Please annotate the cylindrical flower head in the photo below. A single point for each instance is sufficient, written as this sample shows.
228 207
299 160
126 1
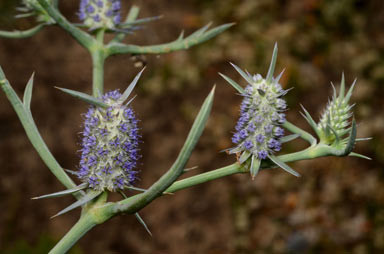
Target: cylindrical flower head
261 113
110 145
335 118
100 13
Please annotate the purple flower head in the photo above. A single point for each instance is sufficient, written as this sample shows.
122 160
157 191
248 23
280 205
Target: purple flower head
110 142
258 128
100 13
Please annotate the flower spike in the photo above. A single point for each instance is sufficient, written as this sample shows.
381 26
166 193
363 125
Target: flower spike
259 129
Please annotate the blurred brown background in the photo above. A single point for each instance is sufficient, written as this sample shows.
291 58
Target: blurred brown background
337 206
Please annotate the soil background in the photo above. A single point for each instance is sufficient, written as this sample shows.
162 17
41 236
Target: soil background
337 206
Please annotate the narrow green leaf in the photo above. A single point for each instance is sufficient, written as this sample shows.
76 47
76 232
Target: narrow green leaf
28 94
244 156
364 139
130 88
64 192
34 135
288 138
143 223
271 69
334 133
303 134
342 86
212 32
24 15
136 189
277 79
334 97
200 31
309 119
282 165
352 139
181 36
232 83
247 77
139 21
255 167
349 94
359 156
22 34
84 97
82 201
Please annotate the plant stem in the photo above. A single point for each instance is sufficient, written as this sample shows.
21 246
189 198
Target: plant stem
81 227
98 58
205 177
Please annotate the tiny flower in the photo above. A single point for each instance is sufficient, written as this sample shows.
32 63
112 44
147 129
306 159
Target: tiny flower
100 13
110 141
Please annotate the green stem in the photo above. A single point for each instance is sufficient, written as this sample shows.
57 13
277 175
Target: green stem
82 37
303 134
205 177
21 34
98 59
309 153
81 227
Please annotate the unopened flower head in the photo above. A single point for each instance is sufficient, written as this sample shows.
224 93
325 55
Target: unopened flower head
335 118
100 13
110 145
258 129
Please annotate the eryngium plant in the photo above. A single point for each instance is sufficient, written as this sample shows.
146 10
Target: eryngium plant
110 136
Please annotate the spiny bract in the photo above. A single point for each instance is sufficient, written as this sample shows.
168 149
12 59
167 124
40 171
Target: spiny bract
110 145
100 13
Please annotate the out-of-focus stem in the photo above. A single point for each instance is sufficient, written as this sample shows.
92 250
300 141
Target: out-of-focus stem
98 59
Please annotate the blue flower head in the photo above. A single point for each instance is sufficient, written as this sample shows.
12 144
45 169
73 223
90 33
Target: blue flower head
110 141
100 13
259 127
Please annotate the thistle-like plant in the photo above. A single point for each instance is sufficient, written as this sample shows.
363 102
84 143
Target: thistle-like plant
110 136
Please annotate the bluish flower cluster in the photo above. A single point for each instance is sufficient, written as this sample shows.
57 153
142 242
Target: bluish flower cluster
109 151
261 113
100 13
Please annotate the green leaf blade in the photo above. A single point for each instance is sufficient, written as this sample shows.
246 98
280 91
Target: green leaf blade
28 93
84 97
232 83
282 165
272 65
82 201
131 86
